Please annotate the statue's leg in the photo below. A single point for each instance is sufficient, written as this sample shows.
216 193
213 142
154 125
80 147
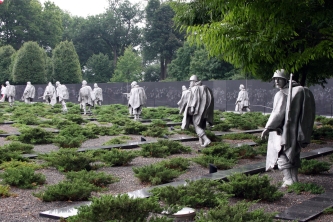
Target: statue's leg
138 112
285 166
203 139
64 107
130 110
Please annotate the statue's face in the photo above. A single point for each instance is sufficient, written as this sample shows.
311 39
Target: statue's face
280 82
192 83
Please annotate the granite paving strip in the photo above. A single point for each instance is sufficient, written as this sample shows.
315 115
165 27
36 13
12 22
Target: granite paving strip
219 175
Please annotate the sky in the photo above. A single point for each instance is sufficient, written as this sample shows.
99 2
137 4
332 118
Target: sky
81 7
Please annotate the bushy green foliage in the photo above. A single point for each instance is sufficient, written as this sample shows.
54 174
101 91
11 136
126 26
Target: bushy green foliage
156 129
35 136
22 177
118 157
99 179
75 190
298 188
117 208
195 194
154 113
8 155
70 160
239 136
120 121
221 163
75 118
19 147
16 163
134 127
239 212
103 130
222 126
322 133
69 142
158 173
328 210
163 148
313 166
177 163
4 191
246 121
116 140
245 151
75 109
28 119
253 187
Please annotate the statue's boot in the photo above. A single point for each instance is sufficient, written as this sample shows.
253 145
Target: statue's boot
294 174
287 178
205 141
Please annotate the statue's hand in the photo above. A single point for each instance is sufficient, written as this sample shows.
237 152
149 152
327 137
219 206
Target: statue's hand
264 134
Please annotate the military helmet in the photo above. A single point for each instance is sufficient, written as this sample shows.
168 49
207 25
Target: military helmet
194 78
280 73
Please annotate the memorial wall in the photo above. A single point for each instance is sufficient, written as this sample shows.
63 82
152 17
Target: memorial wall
225 93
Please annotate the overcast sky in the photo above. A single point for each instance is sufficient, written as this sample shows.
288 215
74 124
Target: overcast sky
87 7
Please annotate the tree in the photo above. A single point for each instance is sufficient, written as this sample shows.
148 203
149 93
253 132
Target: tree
152 73
5 60
99 68
128 68
29 64
161 40
66 65
262 36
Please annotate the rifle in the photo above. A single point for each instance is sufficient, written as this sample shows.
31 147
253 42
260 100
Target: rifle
288 114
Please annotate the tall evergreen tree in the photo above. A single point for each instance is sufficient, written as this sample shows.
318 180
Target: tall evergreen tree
5 60
66 65
99 68
29 64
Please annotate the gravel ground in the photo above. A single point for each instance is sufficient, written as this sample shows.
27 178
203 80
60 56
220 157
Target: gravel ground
23 206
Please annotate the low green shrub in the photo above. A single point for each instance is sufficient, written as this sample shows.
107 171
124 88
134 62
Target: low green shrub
261 149
120 121
163 148
328 210
155 131
74 110
176 118
245 151
35 136
8 155
70 160
75 118
134 127
157 173
19 147
195 194
322 133
298 188
118 157
243 186
116 140
117 208
28 119
68 141
220 150
22 177
222 126
313 166
16 163
75 190
99 179
239 136
221 163
239 212
213 137
4 191
177 163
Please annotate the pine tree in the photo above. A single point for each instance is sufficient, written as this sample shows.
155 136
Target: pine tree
5 60
29 64
66 65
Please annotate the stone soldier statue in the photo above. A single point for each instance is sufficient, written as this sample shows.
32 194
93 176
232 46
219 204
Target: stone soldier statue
29 93
48 93
242 101
86 97
9 94
98 93
61 95
289 126
199 109
137 99
183 99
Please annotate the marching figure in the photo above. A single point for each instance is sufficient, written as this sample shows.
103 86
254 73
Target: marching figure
98 95
289 126
29 93
9 94
61 94
137 99
199 109
242 101
48 93
85 97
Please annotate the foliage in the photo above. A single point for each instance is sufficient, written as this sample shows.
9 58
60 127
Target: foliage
17 163
99 179
328 210
322 133
128 67
4 191
118 157
35 135
239 212
5 60
75 190
158 173
99 68
253 187
152 73
19 147
238 136
221 163
29 64
245 151
66 65
243 122
223 126
75 118
28 119
163 148
313 166
134 127
156 129
260 36
298 188
22 177
117 208
70 160
220 150
8 155
195 194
